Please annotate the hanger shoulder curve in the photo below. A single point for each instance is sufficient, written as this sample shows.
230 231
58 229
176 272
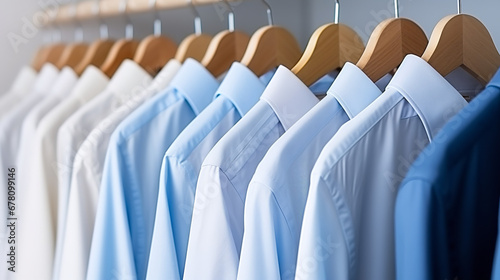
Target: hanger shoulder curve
193 46
121 50
269 47
72 55
462 40
389 44
95 55
225 48
154 52
329 48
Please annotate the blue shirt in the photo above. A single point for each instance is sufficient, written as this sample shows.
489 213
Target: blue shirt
239 91
447 207
217 223
277 194
129 187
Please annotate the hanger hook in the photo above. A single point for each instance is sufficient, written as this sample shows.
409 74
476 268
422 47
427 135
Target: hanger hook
197 18
129 28
230 16
269 13
459 6
79 28
157 22
396 8
337 12
103 27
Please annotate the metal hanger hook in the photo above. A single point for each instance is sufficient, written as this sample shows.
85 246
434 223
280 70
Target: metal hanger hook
79 27
269 13
459 6
337 12
396 8
230 16
157 22
197 18
103 27
129 28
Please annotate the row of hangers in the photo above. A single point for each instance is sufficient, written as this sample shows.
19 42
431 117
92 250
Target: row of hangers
458 40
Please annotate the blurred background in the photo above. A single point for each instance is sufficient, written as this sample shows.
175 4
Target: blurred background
20 38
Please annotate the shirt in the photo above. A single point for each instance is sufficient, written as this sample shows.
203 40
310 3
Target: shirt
86 180
239 91
496 263
217 214
277 194
91 83
19 89
129 188
348 225
447 206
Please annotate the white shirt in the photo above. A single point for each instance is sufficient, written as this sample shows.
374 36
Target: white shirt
19 88
10 133
41 220
277 194
91 83
86 180
217 219
348 225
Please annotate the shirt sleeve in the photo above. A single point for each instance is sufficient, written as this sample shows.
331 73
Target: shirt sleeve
172 222
216 228
322 249
82 205
412 216
264 251
111 253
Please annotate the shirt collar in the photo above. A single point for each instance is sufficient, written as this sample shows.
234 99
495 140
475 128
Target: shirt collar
353 90
24 80
64 82
92 80
242 87
167 73
432 97
129 79
495 81
193 81
46 77
289 97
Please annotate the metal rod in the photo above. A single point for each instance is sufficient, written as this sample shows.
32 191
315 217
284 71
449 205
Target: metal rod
157 22
103 27
78 28
459 6
270 20
197 18
129 28
230 16
396 8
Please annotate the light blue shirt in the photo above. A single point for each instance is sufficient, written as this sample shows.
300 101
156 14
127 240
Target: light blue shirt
217 222
348 225
277 194
129 187
239 91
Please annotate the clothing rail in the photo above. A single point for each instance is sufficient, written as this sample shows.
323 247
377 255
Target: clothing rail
109 8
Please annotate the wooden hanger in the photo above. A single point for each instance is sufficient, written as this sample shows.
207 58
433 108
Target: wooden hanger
225 48
95 55
389 44
72 55
271 46
195 45
155 50
462 40
47 54
329 48
121 50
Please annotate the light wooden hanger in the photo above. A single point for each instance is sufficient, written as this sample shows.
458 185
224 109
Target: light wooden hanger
225 48
271 46
99 50
73 53
195 45
156 50
122 49
462 40
389 44
329 48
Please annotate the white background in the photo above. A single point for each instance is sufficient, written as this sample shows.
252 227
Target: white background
301 17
